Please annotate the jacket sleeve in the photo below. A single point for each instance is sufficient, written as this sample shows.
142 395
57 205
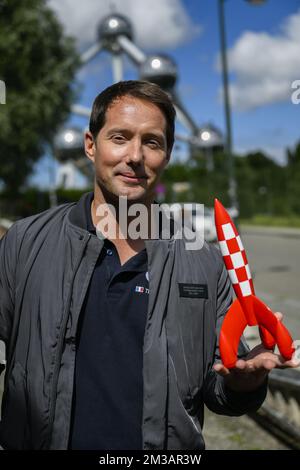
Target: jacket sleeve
7 281
217 397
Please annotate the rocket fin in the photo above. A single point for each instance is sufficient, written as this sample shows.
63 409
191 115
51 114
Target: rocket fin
276 328
232 329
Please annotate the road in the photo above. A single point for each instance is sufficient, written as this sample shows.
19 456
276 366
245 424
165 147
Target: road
274 259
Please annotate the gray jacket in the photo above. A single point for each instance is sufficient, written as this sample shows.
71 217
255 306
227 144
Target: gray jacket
46 264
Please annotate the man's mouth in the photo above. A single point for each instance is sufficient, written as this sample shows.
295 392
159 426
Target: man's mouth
132 177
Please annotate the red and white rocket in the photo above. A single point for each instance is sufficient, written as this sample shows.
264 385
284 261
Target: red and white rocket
247 309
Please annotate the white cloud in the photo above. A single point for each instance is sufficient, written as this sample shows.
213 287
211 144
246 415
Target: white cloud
265 65
158 24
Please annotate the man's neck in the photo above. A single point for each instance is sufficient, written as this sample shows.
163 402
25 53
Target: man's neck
115 210
104 211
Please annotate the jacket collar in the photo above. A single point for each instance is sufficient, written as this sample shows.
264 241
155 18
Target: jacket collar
78 213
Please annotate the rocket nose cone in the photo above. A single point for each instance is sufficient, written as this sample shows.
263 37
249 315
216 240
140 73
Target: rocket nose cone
218 206
217 203
221 215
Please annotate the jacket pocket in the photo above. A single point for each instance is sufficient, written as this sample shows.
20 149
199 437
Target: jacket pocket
14 412
192 339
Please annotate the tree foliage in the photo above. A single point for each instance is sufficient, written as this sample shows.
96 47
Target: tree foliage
293 180
263 186
37 64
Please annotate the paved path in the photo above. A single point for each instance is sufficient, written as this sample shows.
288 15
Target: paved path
228 433
274 258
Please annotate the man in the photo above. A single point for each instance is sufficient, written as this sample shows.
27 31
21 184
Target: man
111 340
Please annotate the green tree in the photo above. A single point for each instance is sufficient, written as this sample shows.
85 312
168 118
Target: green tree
263 186
293 179
268 184
175 172
245 178
37 64
209 176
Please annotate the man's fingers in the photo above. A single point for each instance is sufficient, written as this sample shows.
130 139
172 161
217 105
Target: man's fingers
241 364
269 364
263 362
221 369
278 315
269 361
291 363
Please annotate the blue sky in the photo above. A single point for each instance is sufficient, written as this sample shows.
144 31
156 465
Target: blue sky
263 50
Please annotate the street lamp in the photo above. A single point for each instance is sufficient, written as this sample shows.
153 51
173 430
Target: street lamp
228 147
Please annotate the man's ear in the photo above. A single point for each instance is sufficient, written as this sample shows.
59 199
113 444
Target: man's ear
89 146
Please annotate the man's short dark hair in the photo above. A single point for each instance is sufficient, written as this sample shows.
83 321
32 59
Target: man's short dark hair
137 89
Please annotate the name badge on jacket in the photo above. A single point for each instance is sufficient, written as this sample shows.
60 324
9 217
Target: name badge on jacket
193 291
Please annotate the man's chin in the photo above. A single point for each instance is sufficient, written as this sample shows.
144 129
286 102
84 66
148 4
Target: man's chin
132 198
133 194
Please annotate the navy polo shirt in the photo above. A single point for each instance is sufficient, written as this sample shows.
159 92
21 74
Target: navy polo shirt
108 389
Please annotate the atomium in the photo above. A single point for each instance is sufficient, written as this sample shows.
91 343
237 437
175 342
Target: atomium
68 144
159 69
115 34
111 27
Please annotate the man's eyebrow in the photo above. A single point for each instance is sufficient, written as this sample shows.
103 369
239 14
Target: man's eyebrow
124 130
156 135
117 129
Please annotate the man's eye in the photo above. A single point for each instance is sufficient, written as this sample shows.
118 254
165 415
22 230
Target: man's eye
118 138
153 143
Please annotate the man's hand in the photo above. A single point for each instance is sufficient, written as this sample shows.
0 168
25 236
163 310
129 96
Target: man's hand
249 373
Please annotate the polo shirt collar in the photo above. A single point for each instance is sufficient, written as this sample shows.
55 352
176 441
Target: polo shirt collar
80 215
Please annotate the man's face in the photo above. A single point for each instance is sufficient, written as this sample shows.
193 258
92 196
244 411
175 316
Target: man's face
130 151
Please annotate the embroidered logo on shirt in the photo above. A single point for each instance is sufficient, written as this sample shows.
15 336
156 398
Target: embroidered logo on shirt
141 290
194 291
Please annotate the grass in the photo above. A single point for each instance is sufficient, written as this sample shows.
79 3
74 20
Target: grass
238 439
273 221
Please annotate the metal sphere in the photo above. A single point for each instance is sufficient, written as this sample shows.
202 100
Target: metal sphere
68 144
210 136
111 27
159 69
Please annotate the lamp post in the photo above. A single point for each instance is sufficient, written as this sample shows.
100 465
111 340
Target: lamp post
232 190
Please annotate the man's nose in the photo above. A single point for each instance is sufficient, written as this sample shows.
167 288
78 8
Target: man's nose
135 152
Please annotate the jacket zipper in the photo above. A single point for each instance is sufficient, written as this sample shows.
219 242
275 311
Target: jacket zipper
60 346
